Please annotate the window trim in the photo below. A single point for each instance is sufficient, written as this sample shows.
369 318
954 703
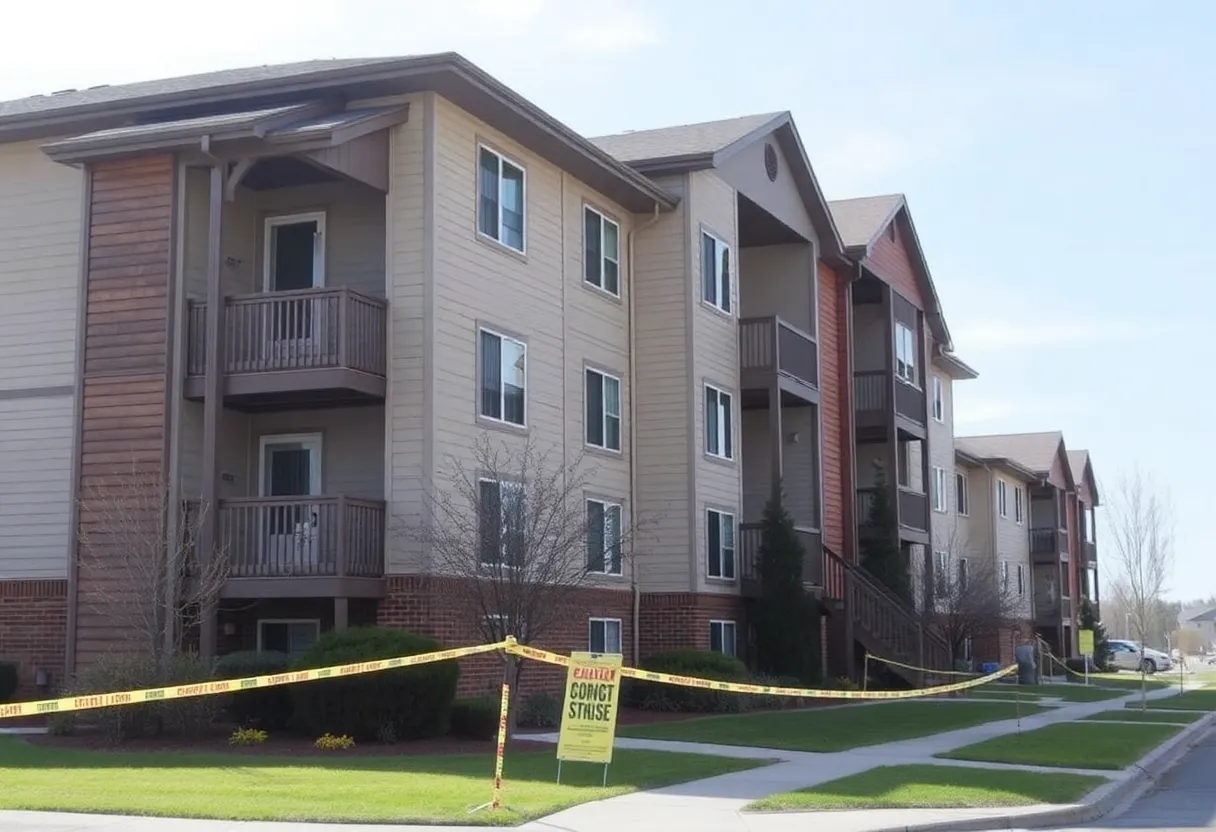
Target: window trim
941 569
1004 577
604 219
502 157
1019 504
962 497
734 550
723 623
502 336
319 255
502 562
716 304
939 400
607 504
964 574
620 635
1021 580
261 621
940 503
1002 498
620 419
724 427
913 364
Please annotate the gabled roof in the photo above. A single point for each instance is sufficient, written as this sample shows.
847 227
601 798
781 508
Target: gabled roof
447 73
976 455
863 220
1206 615
1036 452
704 146
1082 468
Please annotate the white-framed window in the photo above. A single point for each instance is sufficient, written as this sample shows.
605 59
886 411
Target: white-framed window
939 400
1004 577
603 537
287 635
962 575
905 353
722 637
720 544
501 523
1021 580
602 393
1002 498
715 271
601 251
1019 504
939 489
604 635
719 429
941 569
503 387
293 257
961 499
501 197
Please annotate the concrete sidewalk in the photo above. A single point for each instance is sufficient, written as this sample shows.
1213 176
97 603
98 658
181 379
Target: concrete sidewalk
711 804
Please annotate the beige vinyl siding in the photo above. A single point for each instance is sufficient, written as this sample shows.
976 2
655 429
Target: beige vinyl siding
667 403
799 482
40 213
1013 538
715 354
233 442
352 447
779 280
35 486
945 526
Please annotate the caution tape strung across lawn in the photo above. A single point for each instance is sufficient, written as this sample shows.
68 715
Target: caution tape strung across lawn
928 671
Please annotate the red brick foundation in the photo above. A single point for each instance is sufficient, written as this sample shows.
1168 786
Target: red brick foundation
682 620
1000 646
33 630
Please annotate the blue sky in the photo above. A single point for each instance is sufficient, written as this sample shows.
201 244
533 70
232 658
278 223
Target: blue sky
1057 159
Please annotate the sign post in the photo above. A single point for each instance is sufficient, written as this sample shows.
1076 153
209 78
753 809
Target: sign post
1085 644
588 730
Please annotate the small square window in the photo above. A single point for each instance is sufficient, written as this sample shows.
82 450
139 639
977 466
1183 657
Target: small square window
604 635
722 637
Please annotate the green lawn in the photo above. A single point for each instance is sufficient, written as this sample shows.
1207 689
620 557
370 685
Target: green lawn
833 729
1070 745
1126 715
1131 681
930 786
1070 692
439 788
1009 692
1203 699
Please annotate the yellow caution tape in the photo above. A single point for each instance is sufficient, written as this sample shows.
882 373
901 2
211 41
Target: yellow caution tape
90 701
926 670
539 655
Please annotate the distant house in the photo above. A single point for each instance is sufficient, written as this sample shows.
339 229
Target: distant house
1204 622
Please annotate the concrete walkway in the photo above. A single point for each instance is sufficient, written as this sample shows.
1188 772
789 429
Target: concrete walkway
711 804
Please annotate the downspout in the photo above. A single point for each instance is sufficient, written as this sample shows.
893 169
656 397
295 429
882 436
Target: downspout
633 434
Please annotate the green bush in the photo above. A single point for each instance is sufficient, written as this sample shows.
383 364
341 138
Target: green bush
475 719
704 664
267 708
540 710
766 701
186 718
8 680
404 703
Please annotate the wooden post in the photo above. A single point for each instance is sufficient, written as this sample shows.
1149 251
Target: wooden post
341 613
343 565
213 403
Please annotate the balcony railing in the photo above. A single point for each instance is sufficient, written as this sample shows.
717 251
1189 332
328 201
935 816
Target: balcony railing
276 537
1051 609
1090 550
913 507
872 402
749 554
307 329
772 345
1048 542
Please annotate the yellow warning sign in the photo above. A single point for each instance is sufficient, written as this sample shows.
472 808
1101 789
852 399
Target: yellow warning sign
593 688
1085 642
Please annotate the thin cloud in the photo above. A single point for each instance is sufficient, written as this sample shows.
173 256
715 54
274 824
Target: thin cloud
989 335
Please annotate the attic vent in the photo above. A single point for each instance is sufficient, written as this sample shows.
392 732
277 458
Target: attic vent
61 92
770 162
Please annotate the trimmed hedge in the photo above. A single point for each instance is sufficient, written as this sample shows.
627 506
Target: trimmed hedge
266 708
405 703
8 680
705 664
475 719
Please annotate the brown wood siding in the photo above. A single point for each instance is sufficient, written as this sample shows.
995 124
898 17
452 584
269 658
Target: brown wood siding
891 261
124 432
831 392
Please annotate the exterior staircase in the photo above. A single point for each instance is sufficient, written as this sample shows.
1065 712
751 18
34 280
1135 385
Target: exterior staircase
864 612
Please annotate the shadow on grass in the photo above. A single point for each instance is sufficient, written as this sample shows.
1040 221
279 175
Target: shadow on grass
1079 745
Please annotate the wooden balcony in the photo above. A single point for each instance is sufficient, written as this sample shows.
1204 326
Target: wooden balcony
1048 545
302 547
1049 611
312 347
912 509
878 400
749 557
774 352
1089 551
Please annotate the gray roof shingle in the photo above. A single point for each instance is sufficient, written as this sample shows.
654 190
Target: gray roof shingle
682 140
859 220
1035 451
1206 615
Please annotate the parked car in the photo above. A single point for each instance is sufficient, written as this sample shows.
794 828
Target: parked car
1128 655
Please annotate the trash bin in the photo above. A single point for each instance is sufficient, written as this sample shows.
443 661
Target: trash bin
1027 666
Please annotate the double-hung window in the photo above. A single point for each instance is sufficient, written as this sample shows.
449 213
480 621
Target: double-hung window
503 366
601 252
722 637
905 353
939 400
939 489
1021 580
719 439
1019 503
715 271
603 537
720 542
1002 498
501 523
603 399
1004 577
941 571
500 199
961 500
962 576
604 635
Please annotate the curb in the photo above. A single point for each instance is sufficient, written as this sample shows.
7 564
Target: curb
1104 800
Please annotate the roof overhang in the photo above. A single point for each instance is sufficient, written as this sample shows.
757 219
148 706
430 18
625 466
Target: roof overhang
954 366
448 74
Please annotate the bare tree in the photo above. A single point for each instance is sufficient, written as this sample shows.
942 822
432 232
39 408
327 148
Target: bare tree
514 530
1141 522
138 551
